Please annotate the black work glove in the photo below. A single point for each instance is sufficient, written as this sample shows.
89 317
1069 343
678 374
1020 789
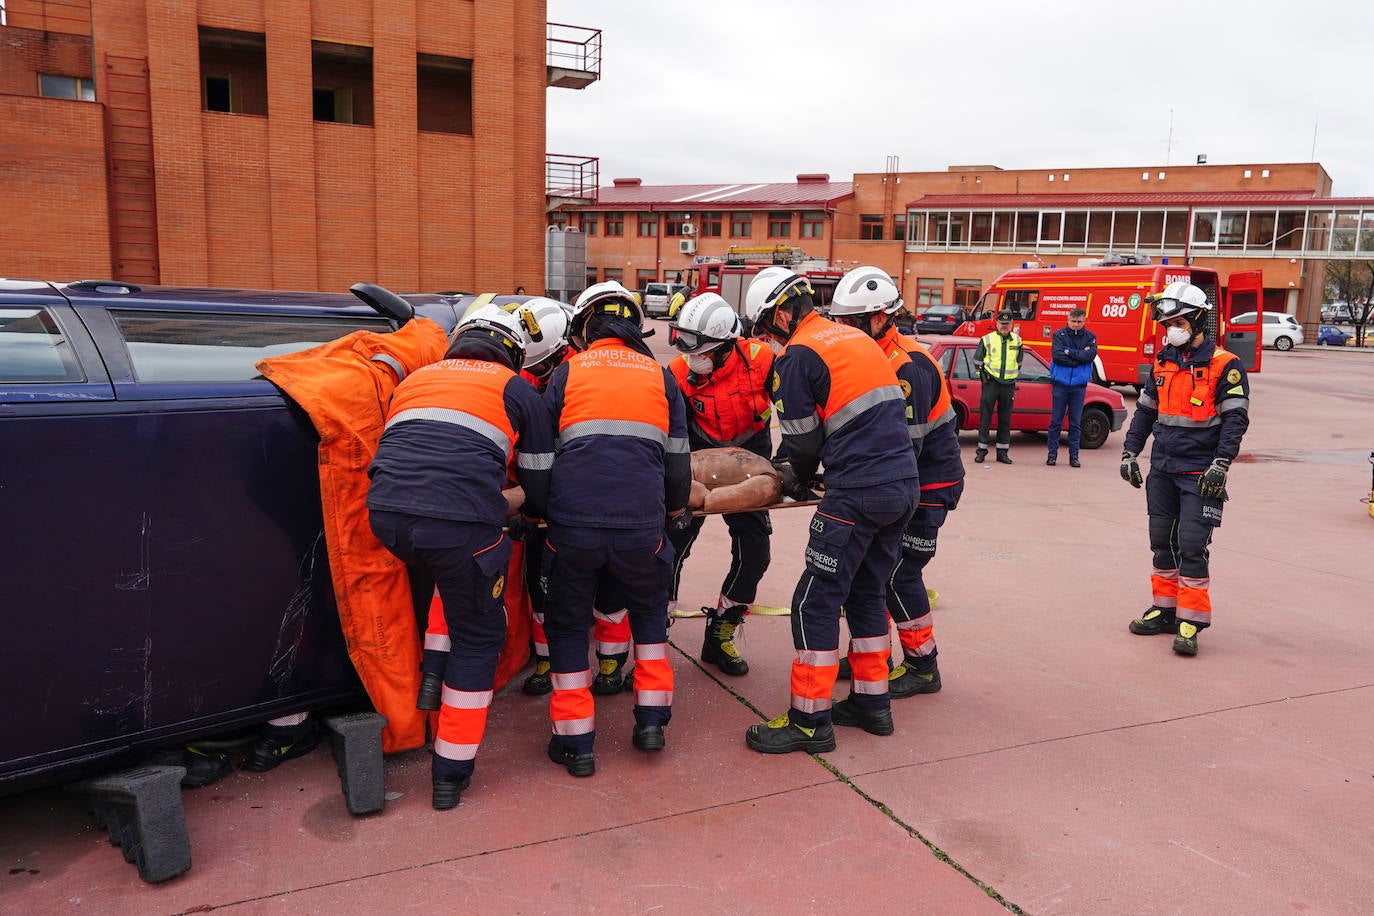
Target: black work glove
519 527
1212 484
1130 469
680 520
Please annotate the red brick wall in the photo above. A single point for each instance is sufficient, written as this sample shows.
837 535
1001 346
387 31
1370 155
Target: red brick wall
284 202
54 225
25 53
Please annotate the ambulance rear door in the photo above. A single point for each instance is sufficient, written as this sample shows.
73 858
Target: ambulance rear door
1244 293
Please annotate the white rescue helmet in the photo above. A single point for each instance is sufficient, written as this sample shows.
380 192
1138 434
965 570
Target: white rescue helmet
551 317
770 287
510 331
705 322
865 291
605 298
1180 300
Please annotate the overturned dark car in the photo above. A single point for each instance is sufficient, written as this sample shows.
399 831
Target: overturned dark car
165 570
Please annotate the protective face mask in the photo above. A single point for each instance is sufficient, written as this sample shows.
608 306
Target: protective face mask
1178 337
700 363
776 346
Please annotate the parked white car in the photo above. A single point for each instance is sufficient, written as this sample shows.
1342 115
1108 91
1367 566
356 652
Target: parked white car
1281 331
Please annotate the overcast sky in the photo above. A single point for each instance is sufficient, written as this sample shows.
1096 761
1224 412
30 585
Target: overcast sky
701 91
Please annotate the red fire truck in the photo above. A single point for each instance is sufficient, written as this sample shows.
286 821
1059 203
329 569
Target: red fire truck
1113 295
729 276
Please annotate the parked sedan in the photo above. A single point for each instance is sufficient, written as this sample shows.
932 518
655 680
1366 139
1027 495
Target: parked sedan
166 577
939 319
1280 331
1104 412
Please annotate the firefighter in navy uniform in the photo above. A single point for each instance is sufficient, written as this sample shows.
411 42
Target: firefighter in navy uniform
621 468
1197 407
724 381
435 501
839 404
867 298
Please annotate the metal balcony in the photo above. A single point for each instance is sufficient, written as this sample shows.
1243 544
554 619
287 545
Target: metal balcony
570 180
574 56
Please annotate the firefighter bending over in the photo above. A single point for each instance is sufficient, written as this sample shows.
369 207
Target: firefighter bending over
435 501
838 403
724 380
1196 404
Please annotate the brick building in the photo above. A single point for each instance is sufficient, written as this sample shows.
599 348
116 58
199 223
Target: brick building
946 235
275 143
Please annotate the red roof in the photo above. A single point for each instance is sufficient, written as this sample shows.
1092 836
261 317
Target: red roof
1148 199
789 195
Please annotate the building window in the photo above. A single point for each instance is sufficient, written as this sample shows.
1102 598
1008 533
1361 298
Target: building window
615 224
871 227
233 71
899 227
812 224
648 224
741 225
673 226
966 293
559 219
342 82
66 87
644 277
614 275
443 94
710 225
591 276
589 223
780 225
930 291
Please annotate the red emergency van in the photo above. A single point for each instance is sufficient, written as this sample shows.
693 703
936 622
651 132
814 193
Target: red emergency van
729 277
1113 295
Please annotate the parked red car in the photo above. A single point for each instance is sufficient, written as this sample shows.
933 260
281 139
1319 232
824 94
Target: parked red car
1103 410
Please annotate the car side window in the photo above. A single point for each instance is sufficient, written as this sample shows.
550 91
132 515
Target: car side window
963 364
202 347
34 349
1032 368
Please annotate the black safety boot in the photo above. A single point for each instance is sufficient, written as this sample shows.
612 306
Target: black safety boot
980 456
648 737
780 736
577 764
906 681
1003 457
1185 643
719 646
277 744
448 790
540 681
1155 621
878 722
610 677
203 765
431 692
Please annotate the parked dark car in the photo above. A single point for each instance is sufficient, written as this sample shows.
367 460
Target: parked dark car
939 319
165 571
1104 412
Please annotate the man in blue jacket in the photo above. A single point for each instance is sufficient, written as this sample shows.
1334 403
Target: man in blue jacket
1073 349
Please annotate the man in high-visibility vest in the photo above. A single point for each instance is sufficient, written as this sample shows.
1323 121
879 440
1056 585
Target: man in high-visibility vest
998 361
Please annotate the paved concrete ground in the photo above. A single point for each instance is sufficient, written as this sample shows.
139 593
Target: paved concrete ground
1067 766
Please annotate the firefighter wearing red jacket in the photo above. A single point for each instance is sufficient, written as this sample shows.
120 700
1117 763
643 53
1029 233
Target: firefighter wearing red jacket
867 299
1196 404
621 468
839 404
435 502
724 381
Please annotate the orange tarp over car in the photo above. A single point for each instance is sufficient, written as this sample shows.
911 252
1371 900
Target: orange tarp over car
345 386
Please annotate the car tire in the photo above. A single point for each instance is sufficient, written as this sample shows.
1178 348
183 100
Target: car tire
1283 344
1095 427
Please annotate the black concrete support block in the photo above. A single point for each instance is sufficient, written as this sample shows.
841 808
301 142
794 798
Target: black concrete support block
357 741
141 809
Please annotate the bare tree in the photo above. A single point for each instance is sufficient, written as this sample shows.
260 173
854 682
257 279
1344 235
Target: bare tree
1353 282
